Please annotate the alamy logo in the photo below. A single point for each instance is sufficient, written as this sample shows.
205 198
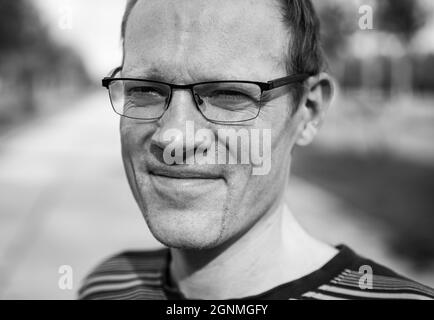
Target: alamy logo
242 146
366 20
65 18
366 280
66 279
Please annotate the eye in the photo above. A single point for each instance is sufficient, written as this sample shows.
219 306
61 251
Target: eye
233 96
228 95
229 99
145 91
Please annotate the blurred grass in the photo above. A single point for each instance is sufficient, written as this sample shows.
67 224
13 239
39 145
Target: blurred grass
377 154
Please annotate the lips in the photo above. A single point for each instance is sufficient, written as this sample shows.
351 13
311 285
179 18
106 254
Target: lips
184 179
184 171
185 189
183 174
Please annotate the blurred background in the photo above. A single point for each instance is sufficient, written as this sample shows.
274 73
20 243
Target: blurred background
64 200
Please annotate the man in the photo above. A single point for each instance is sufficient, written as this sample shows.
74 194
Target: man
206 67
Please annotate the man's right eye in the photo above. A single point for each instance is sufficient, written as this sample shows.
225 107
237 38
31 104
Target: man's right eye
145 90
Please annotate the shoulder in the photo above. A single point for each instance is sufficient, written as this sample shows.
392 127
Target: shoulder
127 275
366 279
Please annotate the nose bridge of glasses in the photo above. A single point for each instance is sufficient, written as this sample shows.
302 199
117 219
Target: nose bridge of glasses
179 97
186 87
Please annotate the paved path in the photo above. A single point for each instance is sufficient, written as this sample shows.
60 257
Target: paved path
64 200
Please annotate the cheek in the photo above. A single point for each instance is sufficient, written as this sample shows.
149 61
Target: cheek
126 130
282 126
284 123
134 134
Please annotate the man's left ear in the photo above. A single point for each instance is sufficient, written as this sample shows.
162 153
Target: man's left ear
317 99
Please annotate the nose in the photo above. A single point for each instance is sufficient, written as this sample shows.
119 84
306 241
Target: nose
176 130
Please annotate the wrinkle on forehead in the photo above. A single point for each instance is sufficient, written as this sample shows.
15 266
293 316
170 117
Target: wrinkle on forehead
195 35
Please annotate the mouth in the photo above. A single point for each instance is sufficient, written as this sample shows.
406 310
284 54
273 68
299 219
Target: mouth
184 180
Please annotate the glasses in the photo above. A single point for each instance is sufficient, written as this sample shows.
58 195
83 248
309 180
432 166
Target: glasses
217 101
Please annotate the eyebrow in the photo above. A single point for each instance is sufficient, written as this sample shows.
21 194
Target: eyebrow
150 73
155 74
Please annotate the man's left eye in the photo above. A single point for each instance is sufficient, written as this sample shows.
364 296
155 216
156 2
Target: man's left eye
229 95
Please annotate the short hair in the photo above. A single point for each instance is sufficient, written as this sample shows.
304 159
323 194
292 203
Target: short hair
305 54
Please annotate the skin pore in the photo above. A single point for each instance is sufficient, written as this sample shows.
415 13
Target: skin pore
225 226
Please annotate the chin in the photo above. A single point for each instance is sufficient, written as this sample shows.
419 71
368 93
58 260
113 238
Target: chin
187 229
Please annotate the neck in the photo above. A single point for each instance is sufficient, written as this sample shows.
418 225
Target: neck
274 251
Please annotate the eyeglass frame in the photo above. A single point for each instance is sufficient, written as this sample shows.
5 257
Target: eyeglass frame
264 86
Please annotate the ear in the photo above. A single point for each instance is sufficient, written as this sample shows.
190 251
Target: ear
314 105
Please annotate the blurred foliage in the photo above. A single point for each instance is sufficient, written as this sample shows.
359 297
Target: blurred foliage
31 62
17 16
339 20
22 33
421 80
337 25
403 18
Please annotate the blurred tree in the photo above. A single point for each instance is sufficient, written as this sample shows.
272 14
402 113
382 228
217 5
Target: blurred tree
20 32
29 57
337 25
20 26
403 18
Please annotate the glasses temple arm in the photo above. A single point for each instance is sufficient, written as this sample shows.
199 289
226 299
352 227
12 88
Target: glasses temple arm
287 80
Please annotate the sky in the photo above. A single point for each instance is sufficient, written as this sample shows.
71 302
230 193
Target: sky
92 27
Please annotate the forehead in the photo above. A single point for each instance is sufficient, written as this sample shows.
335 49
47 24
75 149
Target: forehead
195 39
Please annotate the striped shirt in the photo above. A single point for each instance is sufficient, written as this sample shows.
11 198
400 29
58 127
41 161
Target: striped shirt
144 275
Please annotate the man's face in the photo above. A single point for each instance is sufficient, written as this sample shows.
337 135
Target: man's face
202 206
